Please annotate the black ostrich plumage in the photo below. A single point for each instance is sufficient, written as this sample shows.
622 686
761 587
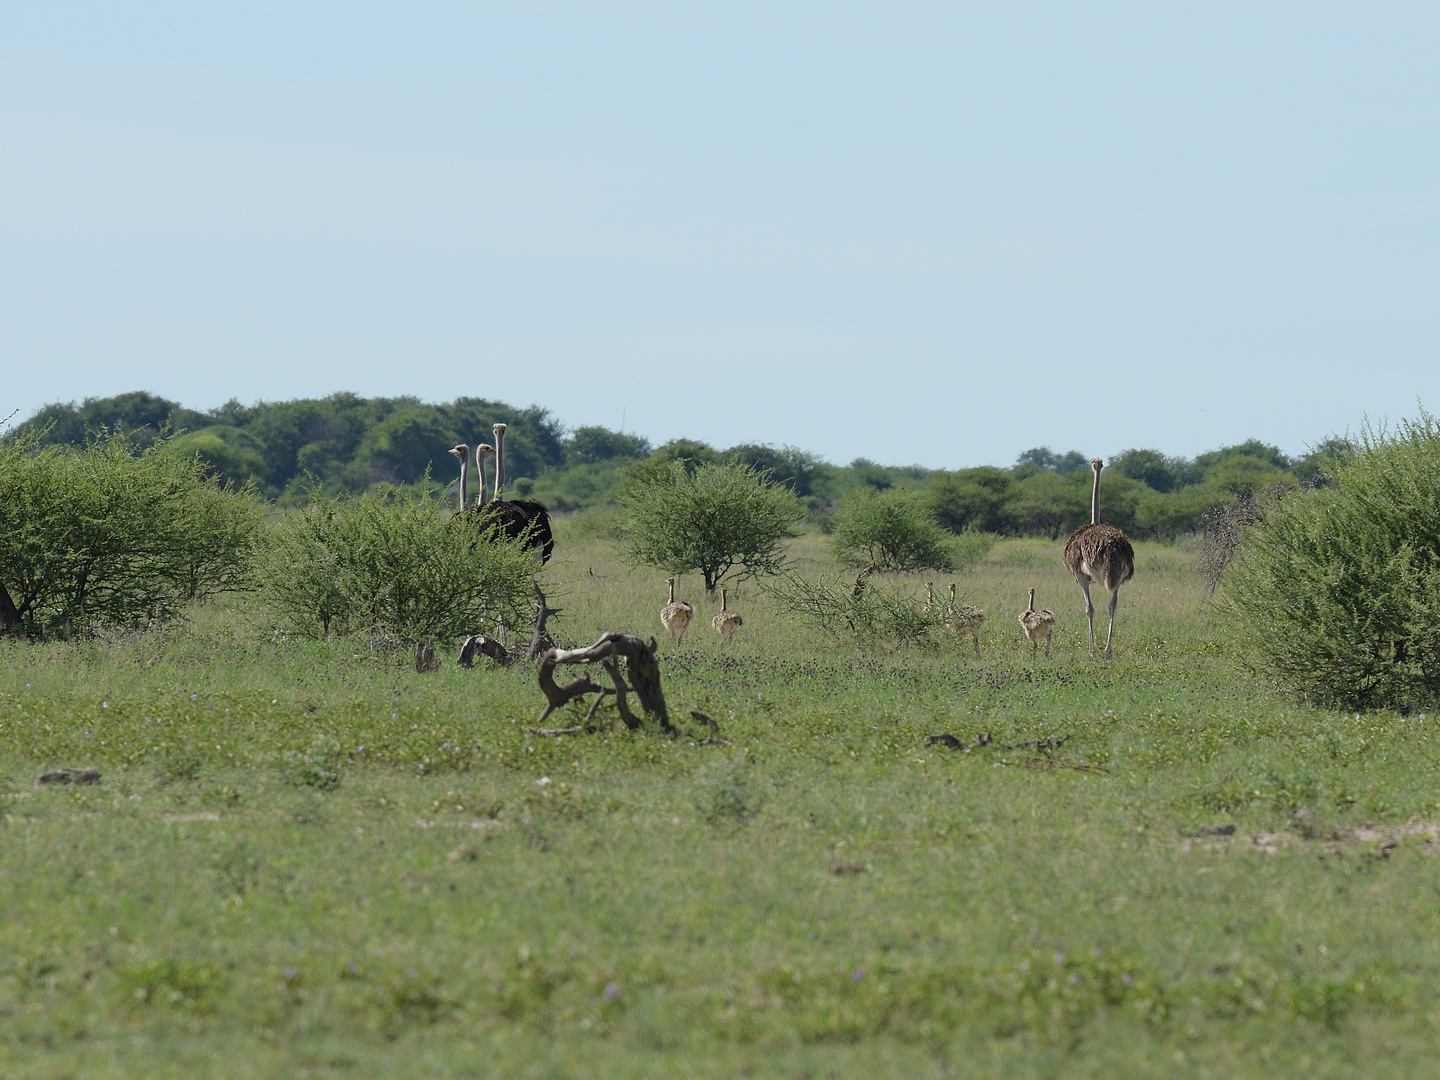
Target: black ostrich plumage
513 518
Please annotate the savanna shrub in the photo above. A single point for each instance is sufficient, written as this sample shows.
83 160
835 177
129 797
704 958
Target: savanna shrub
1337 589
878 614
891 531
101 535
716 519
393 561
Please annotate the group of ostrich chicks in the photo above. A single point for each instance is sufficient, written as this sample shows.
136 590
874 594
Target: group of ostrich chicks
1095 554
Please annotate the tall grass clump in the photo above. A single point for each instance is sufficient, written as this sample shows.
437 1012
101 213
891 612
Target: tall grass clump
1337 589
394 562
103 536
890 530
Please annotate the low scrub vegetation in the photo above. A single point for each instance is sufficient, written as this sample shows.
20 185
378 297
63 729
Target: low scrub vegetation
102 536
1337 589
393 562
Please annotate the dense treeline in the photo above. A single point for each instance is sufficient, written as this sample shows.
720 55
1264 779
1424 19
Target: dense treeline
349 444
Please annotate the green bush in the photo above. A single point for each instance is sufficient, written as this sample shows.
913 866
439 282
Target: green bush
890 530
878 614
394 562
1337 590
716 519
103 536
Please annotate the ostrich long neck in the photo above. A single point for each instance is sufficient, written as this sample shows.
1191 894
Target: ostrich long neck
1095 499
499 430
483 496
460 503
1031 606
672 592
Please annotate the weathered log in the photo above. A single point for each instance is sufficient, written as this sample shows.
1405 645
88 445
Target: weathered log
425 658
483 646
640 665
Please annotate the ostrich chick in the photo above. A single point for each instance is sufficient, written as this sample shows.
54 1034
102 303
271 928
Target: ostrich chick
727 622
676 615
1037 625
963 619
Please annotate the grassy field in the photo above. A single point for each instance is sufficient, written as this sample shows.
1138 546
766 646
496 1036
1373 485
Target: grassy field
308 860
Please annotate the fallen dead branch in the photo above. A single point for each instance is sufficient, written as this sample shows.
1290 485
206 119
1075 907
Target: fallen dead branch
69 776
640 665
946 739
1051 763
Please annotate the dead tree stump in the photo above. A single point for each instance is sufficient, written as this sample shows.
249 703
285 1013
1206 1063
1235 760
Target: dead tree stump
425 659
640 666
540 638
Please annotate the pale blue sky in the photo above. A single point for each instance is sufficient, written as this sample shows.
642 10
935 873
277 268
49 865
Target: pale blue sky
977 227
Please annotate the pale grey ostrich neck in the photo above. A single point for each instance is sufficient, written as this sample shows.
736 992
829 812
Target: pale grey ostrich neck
1097 465
462 452
499 430
482 452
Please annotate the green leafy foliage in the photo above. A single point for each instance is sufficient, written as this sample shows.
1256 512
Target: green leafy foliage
393 562
890 530
875 613
717 519
1337 589
102 536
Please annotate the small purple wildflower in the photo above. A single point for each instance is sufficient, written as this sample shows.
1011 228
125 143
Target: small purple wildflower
352 968
1059 958
858 975
1024 965
194 696
411 973
1075 979
104 704
1097 951
612 991
289 973
1126 978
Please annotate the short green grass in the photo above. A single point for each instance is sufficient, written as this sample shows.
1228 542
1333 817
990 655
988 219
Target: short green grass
305 859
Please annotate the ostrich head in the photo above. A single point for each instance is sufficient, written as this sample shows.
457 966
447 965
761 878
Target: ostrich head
1097 464
462 452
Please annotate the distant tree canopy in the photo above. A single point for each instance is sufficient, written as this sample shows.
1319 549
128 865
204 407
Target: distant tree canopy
346 442
349 444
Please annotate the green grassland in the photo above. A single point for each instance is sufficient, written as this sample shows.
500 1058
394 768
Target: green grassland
306 859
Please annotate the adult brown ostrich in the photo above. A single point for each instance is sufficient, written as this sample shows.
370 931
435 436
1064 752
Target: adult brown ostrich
1101 554
519 517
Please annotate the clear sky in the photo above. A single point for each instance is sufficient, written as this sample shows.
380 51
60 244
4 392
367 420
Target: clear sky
934 233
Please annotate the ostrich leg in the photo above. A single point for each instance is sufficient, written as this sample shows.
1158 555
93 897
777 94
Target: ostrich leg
1089 613
1114 601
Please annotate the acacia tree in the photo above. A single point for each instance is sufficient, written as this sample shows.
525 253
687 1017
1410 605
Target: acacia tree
717 519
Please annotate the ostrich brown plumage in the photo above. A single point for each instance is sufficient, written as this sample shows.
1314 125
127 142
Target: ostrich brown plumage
963 619
676 615
1037 625
727 622
1102 555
